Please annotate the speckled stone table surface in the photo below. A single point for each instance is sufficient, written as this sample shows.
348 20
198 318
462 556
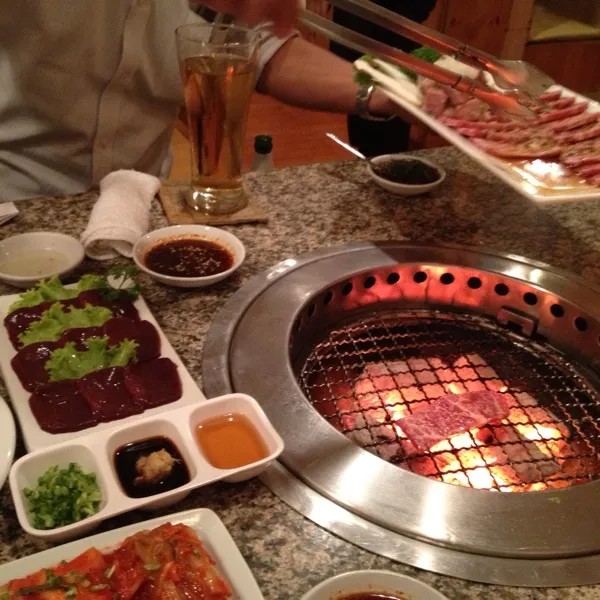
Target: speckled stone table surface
312 207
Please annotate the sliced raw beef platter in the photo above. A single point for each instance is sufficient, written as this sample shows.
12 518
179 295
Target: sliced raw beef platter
565 131
85 356
552 155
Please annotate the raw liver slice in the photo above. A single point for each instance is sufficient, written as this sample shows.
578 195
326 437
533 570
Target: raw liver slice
123 307
143 332
29 364
154 382
452 414
106 395
19 321
59 407
79 335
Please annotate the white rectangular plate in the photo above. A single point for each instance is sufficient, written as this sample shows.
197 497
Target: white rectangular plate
209 528
502 168
35 437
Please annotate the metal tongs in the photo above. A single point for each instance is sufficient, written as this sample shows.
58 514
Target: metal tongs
516 84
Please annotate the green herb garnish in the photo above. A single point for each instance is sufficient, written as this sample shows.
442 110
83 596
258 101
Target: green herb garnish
70 363
62 497
152 566
55 320
427 54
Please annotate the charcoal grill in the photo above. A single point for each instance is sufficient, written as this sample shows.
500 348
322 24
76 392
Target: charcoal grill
340 344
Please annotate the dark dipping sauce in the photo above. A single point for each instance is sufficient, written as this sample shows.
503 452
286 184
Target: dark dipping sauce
409 172
370 596
188 257
127 456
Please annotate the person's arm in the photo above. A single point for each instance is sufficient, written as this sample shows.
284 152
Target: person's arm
305 75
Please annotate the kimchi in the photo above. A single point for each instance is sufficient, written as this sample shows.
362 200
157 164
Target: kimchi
166 563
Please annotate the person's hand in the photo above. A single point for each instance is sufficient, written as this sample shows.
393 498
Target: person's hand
381 106
282 13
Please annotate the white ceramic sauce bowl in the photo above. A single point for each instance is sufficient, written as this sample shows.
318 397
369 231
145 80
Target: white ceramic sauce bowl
95 453
384 582
212 234
404 189
57 253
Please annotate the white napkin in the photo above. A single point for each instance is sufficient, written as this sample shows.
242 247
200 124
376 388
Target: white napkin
7 211
121 215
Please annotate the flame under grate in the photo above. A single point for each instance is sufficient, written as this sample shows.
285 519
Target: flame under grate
366 375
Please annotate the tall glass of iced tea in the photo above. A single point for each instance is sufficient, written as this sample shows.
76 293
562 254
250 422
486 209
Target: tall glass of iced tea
218 66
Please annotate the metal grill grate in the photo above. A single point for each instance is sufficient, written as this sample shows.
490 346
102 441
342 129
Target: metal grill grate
368 373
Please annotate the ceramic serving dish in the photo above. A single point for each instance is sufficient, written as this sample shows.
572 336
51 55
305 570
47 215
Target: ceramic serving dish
404 189
34 436
212 234
208 527
385 583
29 257
95 453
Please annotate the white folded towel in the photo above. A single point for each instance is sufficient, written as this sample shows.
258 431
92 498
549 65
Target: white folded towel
121 214
7 211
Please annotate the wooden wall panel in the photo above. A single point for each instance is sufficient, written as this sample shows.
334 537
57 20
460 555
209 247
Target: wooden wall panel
480 23
573 64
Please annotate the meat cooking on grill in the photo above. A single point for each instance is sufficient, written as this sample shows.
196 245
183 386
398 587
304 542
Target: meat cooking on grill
452 414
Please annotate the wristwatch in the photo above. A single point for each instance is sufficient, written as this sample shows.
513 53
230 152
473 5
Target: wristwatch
363 97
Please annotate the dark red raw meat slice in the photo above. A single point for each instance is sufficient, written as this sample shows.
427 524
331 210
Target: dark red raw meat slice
19 321
59 407
487 125
455 413
582 134
106 395
154 382
78 335
586 153
548 97
595 181
589 170
143 332
562 102
531 148
122 307
573 122
563 113
29 364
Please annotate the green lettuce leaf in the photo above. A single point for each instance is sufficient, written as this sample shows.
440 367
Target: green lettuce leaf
47 290
54 321
70 363
51 290
427 54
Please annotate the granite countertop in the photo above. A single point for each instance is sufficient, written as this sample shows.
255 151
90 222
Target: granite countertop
311 207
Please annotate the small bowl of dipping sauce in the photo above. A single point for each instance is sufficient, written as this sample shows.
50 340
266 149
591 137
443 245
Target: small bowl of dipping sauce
29 257
405 174
373 585
191 256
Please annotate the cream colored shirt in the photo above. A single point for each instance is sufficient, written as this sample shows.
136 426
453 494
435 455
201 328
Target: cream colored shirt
87 87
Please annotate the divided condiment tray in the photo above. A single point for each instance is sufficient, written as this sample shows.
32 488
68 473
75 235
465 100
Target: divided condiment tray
96 452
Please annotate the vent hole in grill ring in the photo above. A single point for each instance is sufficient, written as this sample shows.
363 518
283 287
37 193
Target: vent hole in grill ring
420 277
501 289
369 282
347 289
328 298
447 278
580 324
393 278
474 283
556 310
311 310
530 298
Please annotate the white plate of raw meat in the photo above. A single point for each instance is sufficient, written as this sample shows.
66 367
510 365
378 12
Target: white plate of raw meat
36 437
560 168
